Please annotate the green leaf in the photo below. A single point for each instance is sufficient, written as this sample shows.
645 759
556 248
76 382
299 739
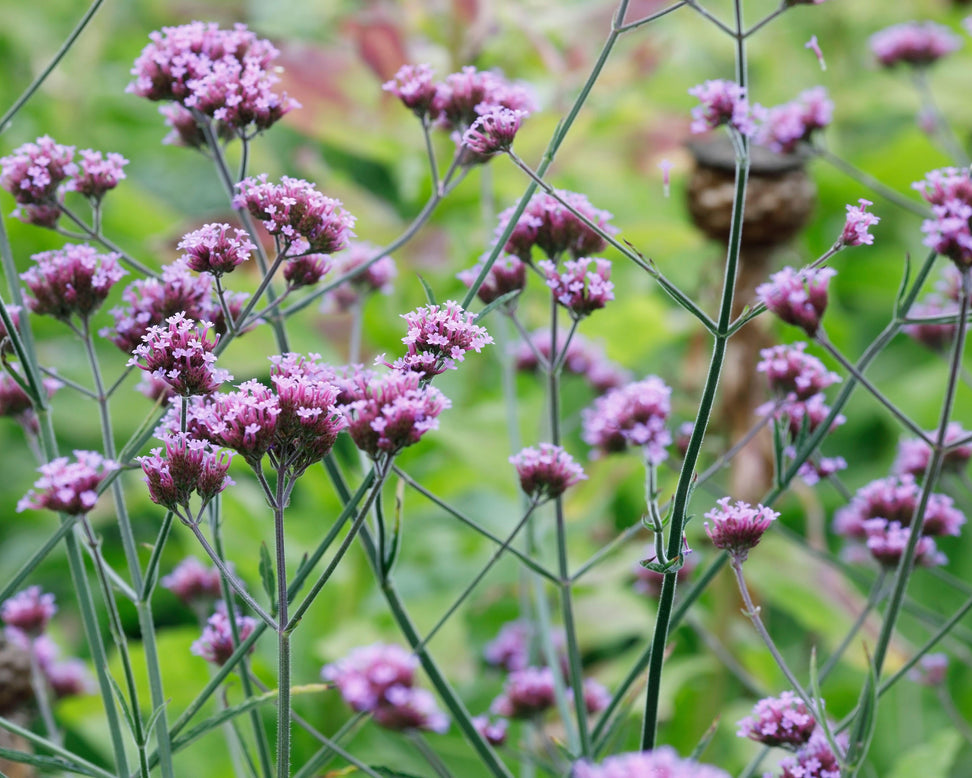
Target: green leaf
499 301
704 741
267 577
429 294
864 723
48 762
123 704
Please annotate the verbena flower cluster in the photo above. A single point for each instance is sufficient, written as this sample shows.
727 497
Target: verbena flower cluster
216 249
72 281
914 454
721 102
737 528
192 582
949 192
546 472
547 224
661 762
583 358
438 337
779 721
216 644
363 279
635 415
182 355
913 43
798 297
783 127
189 466
66 486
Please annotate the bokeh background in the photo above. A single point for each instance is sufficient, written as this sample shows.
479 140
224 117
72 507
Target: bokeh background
359 145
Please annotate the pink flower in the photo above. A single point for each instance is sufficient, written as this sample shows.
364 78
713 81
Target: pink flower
913 43
181 354
438 336
376 277
510 649
783 127
858 221
413 85
738 528
526 693
814 760
814 46
507 274
798 298
779 721
579 290
493 131
306 270
464 96
793 374
634 414
583 359
914 454
99 173
492 730
189 467
29 611
212 249
662 762
32 172
887 541
934 335
547 472
74 280
191 582
216 642
949 191
722 102
548 225
68 487
244 421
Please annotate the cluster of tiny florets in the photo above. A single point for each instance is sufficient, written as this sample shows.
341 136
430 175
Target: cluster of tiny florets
635 415
783 127
546 472
188 466
216 249
580 290
465 96
794 374
736 528
74 280
306 270
662 762
507 274
181 353
510 649
216 642
192 582
379 679
362 281
28 611
66 486
301 219
583 358
914 454
859 221
913 43
98 173
547 224
438 337
949 192
814 760
722 102
225 75
494 131
798 297
779 721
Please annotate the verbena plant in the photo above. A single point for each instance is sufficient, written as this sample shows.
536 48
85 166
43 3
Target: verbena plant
327 580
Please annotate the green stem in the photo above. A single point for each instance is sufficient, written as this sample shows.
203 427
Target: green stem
283 634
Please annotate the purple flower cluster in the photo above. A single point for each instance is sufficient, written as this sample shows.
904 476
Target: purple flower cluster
546 472
15 403
225 75
913 43
301 219
881 513
583 358
379 679
914 454
66 678
737 528
376 277
189 466
216 642
438 336
798 297
68 487
192 582
526 693
783 127
306 270
493 731
549 226
634 414
413 85
389 412
858 222
930 670
722 102
507 274
212 249
814 760
74 280
510 649
793 374
98 174
779 721
579 290
949 192
493 132
28 611
661 762
181 354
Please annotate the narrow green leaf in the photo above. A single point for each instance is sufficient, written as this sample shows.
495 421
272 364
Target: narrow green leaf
48 762
123 704
865 722
267 577
429 294
502 300
150 724
704 741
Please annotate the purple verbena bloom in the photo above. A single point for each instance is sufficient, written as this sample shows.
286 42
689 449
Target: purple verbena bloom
737 528
438 336
68 487
887 540
28 611
793 374
579 290
895 499
73 280
412 84
914 454
376 277
510 649
189 466
583 359
635 415
364 675
306 270
185 131
32 172
547 224
949 192
526 693
181 353
213 249
813 470
783 127
389 412
814 760
493 731
15 403
191 581
722 102
507 274
99 173
403 709
858 222
42 215
301 219
465 96
596 696
779 721
244 421
913 43
67 678
493 131
546 472
216 642
661 762
934 335
798 298
150 301
649 582
930 670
